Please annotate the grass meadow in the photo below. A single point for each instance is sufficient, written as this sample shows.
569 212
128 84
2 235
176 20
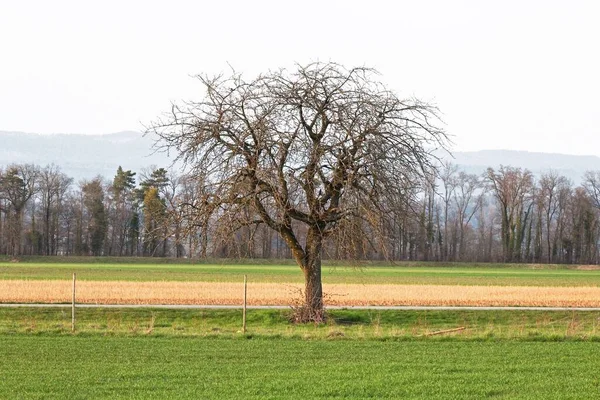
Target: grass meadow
99 367
342 324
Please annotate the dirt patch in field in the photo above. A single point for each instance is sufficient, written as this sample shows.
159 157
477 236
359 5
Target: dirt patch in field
95 292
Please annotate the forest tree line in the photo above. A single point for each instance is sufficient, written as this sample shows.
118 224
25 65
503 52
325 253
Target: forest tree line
503 215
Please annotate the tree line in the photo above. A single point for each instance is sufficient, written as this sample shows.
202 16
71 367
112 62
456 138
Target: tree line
502 215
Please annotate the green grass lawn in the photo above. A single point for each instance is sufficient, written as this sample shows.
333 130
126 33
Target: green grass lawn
406 273
79 367
341 325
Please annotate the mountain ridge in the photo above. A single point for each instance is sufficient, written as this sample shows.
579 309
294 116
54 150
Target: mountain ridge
82 156
86 156
571 166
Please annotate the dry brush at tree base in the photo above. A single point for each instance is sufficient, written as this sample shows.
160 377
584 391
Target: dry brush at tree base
227 293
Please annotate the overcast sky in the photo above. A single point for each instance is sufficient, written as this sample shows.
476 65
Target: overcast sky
520 75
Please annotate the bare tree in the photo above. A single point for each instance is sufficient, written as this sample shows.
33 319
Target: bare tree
17 185
591 183
565 195
305 148
192 203
449 183
550 186
512 187
585 228
53 185
468 199
426 236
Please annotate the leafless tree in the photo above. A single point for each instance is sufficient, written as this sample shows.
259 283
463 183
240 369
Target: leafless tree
512 187
585 228
309 147
53 185
551 185
591 183
449 184
468 199
17 186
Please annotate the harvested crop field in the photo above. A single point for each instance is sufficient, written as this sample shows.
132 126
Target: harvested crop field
228 293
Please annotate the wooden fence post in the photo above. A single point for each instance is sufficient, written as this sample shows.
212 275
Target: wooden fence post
73 306
244 311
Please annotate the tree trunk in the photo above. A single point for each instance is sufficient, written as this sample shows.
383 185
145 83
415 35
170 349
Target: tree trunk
312 309
17 231
313 292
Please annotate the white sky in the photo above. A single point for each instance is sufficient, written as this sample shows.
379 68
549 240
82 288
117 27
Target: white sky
520 75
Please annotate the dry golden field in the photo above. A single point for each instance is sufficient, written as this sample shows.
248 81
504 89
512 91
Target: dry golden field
228 293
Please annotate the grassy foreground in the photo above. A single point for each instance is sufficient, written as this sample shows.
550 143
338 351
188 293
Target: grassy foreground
342 324
131 269
178 368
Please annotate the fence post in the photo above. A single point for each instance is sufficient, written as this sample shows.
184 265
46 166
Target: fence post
244 310
73 305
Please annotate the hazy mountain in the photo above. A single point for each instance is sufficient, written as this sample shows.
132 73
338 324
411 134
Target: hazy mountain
85 156
573 167
82 156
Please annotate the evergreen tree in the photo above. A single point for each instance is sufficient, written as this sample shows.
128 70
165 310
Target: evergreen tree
123 198
154 218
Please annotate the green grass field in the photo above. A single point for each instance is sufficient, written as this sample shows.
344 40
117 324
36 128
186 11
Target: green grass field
407 273
341 325
81 367
357 354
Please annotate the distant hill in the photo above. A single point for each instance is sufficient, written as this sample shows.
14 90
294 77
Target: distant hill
85 156
573 167
82 156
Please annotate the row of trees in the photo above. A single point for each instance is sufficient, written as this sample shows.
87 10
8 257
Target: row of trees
509 215
43 212
502 215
